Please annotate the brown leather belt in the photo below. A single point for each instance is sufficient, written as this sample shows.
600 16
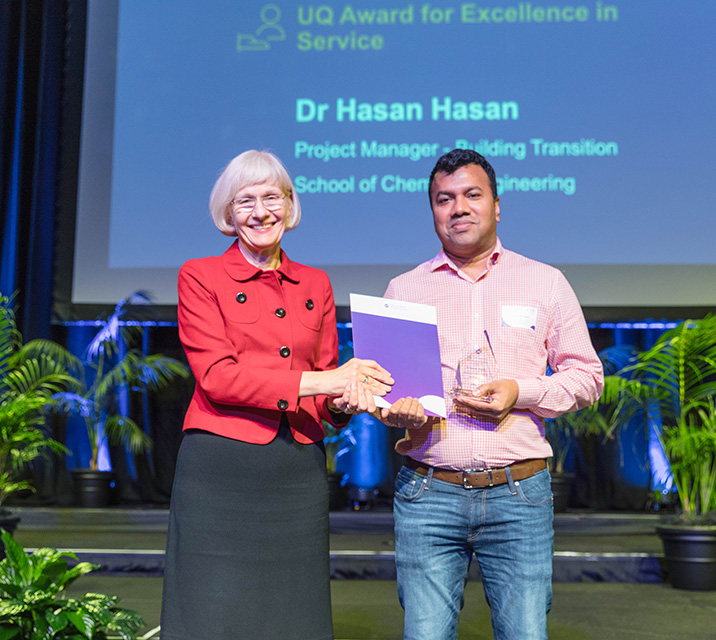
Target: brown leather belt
476 479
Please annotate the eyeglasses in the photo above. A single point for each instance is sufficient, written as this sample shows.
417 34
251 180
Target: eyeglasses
271 202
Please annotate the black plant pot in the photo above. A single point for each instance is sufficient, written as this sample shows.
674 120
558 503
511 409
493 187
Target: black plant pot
561 490
93 488
690 553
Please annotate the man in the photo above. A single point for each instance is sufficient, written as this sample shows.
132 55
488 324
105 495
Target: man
477 482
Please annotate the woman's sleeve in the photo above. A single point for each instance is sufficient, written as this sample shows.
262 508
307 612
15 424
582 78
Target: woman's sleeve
213 357
328 354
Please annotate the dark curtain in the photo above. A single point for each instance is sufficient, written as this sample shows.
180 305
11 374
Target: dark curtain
33 34
41 52
32 37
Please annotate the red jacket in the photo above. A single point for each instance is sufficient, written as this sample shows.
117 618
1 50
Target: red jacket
248 335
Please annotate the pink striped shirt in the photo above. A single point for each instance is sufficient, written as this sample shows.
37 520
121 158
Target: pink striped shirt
532 318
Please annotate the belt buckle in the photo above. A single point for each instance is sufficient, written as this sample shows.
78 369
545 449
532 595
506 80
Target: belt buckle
464 477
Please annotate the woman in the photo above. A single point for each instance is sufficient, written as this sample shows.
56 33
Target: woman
247 550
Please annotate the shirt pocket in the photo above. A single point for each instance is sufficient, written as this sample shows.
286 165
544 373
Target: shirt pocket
514 339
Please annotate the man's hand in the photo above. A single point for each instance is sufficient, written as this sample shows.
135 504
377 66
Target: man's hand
502 396
405 413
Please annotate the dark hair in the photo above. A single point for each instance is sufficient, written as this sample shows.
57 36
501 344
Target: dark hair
453 160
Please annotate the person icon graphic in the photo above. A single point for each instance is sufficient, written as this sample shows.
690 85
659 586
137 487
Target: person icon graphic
269 31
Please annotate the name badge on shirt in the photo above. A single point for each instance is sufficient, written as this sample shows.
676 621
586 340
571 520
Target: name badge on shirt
519 317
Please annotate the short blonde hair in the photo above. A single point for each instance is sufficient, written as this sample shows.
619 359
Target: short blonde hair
249 168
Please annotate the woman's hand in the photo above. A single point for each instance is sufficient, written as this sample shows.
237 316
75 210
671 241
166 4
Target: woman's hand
365 372
335 382
357 398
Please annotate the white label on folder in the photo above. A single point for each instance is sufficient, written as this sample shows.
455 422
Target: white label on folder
394 308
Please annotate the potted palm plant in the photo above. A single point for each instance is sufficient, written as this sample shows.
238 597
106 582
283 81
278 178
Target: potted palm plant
30 376
599 419
676 382
561 433
111 366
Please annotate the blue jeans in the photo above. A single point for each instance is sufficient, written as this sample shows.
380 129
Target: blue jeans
438 526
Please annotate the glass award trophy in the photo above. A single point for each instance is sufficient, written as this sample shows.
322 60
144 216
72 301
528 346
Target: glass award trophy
475 368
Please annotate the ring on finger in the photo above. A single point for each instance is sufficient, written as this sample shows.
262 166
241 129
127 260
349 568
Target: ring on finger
365 379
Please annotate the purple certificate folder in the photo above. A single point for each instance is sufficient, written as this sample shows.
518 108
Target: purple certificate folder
403 338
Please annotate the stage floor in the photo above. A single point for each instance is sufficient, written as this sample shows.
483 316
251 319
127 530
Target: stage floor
609 578
369 610
591 547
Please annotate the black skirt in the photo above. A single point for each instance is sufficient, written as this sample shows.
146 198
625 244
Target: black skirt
247 549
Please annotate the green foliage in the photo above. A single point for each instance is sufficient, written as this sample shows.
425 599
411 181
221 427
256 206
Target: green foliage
30 377
600 419
676 380
34 606
690 446
680 368
101 380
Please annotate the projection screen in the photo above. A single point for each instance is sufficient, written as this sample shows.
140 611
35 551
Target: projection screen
598 118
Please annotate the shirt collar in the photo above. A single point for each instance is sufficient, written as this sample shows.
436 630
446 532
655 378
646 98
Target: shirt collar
442 259
242 270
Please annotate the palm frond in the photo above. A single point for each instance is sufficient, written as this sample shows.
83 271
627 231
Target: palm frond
113 330
10 338
30 377
65 360
137 370
157 371
124 430
40 375
681 365
103 344
70 402
690 445
677 376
